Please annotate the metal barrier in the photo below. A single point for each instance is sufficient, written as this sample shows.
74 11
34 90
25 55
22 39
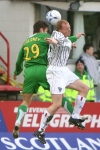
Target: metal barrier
7 64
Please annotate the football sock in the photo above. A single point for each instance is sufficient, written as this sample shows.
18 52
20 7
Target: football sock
45 121
79 103
22 109
67 105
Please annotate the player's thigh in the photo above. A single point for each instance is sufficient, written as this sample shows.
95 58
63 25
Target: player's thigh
57 99
27 98
29 80
57 85
78 85
41 77
69 77
55 79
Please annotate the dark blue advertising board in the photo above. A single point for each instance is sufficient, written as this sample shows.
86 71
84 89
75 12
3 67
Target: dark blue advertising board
55 141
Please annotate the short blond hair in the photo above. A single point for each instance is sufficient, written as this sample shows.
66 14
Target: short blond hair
59 24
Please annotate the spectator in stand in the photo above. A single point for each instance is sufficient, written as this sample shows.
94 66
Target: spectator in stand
85 78
91 63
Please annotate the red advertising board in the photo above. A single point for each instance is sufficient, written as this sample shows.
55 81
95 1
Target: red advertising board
59 122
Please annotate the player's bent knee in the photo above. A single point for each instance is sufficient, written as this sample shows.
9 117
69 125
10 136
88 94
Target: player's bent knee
86 89
58 105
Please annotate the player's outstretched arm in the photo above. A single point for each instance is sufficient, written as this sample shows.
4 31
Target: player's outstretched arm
80 34
19 63
74 38
51 41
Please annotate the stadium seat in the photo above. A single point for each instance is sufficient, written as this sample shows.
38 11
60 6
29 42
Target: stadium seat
9 90
2 72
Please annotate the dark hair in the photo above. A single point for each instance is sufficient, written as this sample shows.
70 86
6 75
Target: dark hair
82 61
79 61
39 24
87 46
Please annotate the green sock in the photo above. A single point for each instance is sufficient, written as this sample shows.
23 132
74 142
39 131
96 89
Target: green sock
22 109
67 105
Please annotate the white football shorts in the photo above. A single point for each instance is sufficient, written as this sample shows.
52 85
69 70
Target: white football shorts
59 78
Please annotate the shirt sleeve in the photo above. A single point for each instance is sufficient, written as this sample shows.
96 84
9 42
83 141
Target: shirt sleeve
72 38
58 36
62 40
19 62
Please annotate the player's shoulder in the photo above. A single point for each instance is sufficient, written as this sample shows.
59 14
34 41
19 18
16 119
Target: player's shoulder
46 34
57 33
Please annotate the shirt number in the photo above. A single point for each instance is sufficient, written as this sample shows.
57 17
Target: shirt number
34 50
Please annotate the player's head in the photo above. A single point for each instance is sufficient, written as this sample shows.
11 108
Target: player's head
64 27
40 26
80 66
88 48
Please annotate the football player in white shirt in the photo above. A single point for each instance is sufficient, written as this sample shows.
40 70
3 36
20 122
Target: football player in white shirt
59 77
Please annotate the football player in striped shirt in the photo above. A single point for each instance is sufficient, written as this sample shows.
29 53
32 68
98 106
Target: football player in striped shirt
59 77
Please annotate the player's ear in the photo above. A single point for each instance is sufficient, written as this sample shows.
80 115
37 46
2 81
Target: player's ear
41 30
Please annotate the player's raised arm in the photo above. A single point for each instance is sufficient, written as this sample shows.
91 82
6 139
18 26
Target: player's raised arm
74 38
80 34
51 41
19 63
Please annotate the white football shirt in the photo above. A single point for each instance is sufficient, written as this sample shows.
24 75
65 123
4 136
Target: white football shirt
58 54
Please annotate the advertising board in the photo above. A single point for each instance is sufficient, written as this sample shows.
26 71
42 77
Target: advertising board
60 135
59 123
55 141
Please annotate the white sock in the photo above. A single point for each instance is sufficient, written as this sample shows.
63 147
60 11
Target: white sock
21 115
44 122
79 103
